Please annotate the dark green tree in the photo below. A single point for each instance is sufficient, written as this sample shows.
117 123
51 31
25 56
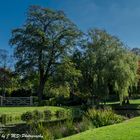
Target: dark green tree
41 43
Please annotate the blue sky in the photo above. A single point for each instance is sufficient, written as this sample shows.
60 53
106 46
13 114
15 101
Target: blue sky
119 17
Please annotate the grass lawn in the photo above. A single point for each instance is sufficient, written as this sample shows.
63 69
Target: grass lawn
16 112
132 101
134 105
135 101
20 110
128 130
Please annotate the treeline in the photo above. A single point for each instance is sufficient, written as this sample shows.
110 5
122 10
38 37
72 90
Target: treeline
56 61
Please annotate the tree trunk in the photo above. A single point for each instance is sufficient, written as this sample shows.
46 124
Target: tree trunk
41 89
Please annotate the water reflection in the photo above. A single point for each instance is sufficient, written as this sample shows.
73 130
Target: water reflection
130 113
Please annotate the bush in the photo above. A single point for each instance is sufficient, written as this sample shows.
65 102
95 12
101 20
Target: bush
28 116
58 131
60 114
44 103
3 118
45 132
70 128
77 113
47 114
10 118
52 102
21 93
37 115
32 116
84 125
35 101
103 117
63 130
17 118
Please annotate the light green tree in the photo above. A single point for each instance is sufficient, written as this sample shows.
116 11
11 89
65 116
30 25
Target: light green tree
108 63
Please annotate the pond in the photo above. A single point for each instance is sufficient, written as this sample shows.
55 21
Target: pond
130 113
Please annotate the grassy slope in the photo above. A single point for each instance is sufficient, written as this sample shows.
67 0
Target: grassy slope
128 130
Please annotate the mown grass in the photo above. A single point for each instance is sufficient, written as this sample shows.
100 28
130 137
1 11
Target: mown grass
20 110
132 101
128 130
16 112
135 101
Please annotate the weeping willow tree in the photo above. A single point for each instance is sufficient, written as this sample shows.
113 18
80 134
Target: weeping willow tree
124 73
107 62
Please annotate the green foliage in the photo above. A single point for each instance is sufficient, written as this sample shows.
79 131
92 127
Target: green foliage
77 113
129 130
52 102
42 42
47 114
67 72
3 118
63 130
107 63
60 114
5 78
69 128
49 62
37 115
27 116
44 132
44 103
84 125
66 78
103 117
60 91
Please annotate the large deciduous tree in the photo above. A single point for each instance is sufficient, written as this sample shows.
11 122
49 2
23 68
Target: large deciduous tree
41 43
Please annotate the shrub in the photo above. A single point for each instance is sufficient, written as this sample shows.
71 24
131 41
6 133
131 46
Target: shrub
37 115
52 102
45 132
58 131
47 114
70 128
103 117
35 101
63 130
17 118
3 118
44 103
10 118
60 113
27 116
84 125
77 113
21 93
